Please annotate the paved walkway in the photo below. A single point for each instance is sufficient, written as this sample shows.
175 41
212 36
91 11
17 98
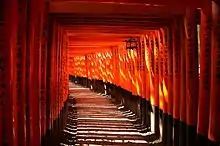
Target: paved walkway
93 119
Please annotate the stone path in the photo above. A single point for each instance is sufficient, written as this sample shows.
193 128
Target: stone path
94 120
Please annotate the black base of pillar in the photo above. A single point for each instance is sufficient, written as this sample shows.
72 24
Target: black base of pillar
54 135
176 125
191 135
157 121
165 128
169 130
202 140
182 134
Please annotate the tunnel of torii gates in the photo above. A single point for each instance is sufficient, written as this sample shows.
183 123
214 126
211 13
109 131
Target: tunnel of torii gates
174 72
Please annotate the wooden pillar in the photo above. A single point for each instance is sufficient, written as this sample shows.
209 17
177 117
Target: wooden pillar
65 72
214 118
170 87
53 80
147 72
205 75
155 55
8 73
151 79
176 79
162 104
43 61
1 71
182 103
142 83
160 46
21 77
167 86
191 75
147 68
56 89
50 74
33 99
59 70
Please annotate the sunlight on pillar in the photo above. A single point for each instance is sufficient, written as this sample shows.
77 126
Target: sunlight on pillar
105 87
91 87
198 34
152 122
161 127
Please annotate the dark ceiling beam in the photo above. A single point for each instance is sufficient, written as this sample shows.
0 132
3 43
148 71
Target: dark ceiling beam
116 16
98 37
87 20
177 3
95 43
111 8
107 32
146 25
105 29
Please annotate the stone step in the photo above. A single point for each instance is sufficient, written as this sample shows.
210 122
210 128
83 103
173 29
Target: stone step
97 121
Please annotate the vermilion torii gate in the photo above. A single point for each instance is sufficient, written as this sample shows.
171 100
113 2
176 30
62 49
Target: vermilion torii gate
42 42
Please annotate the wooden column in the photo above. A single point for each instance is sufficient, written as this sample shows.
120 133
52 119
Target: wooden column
214 118
155 55
176 79
56 85
170 87
21 78
141 80
205 74
50 73
8 73
65 71
147 68
58 70
160 45
1 71
147 80
182 103
43 69
167 85
162 102
191 75
33 90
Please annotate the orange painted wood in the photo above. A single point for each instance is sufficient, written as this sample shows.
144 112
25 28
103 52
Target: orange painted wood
151 2
43 70
151 66
165 37
205 70
176 70
169 70
52 74
214 118
9 72
182 103
144 74
161 69
191 67
33 75
21 53
147 71
156 70
1 71
58 70
57 55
